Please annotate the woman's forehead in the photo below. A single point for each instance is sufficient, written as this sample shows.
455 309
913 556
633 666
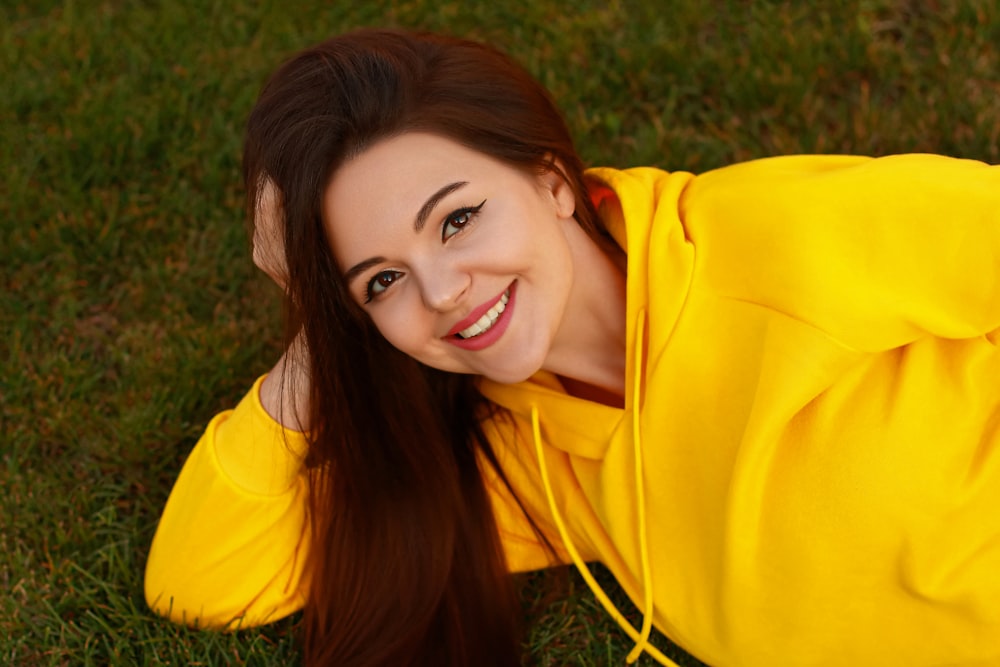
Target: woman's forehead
410 154
396 175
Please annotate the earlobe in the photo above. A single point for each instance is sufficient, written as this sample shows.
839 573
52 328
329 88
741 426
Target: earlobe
562 194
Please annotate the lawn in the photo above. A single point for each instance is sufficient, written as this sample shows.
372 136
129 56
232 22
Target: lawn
131 312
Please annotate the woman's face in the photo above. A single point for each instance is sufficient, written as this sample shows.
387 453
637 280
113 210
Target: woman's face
461 261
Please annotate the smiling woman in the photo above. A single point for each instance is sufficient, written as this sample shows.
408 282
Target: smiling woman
765 397
435 270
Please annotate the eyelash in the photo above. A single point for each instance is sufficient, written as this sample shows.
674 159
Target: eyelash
468 212
370 293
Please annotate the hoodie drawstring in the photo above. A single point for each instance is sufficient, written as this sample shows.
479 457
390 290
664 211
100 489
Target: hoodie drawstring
641 637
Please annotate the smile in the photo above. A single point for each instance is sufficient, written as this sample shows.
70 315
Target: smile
486 324
489 318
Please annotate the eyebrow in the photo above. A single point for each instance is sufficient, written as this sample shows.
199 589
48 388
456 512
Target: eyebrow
361 267
418 225
432 201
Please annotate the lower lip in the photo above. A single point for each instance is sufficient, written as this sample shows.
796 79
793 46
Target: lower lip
484 340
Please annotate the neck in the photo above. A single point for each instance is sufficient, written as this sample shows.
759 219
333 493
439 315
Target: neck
589 348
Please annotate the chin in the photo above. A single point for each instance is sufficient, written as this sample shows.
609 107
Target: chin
508 378
512 375
523 370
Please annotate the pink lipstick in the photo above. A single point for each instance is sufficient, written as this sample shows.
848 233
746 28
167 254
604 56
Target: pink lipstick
485 324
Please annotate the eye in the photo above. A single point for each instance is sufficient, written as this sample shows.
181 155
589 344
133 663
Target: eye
457 220
380 282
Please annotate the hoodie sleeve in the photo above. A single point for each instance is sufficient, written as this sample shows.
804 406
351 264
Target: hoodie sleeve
876 252
230 545
229 548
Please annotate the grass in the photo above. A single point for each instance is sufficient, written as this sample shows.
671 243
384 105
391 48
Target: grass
131 313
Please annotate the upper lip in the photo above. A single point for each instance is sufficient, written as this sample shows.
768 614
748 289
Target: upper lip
475 314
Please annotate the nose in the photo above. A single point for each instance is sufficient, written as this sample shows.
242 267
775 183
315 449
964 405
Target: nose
444 287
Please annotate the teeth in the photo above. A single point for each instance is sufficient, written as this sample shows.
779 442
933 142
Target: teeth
489 318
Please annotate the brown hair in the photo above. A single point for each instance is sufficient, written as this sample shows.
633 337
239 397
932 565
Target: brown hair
406 566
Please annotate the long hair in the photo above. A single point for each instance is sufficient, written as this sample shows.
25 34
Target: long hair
406 566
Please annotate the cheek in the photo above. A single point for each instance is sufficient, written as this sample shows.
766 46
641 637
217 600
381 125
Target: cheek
402 324
515 233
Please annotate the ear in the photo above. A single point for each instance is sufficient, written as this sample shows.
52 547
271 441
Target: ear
555 183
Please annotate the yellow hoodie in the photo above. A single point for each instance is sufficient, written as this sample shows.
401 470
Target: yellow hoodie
807 467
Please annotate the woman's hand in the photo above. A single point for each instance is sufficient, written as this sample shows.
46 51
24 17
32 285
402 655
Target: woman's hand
284 393
268 236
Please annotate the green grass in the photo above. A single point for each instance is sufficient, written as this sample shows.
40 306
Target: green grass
131 313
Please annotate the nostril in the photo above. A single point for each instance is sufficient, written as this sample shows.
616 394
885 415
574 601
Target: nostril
445 294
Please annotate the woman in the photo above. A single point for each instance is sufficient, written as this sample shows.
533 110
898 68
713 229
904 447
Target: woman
766 397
